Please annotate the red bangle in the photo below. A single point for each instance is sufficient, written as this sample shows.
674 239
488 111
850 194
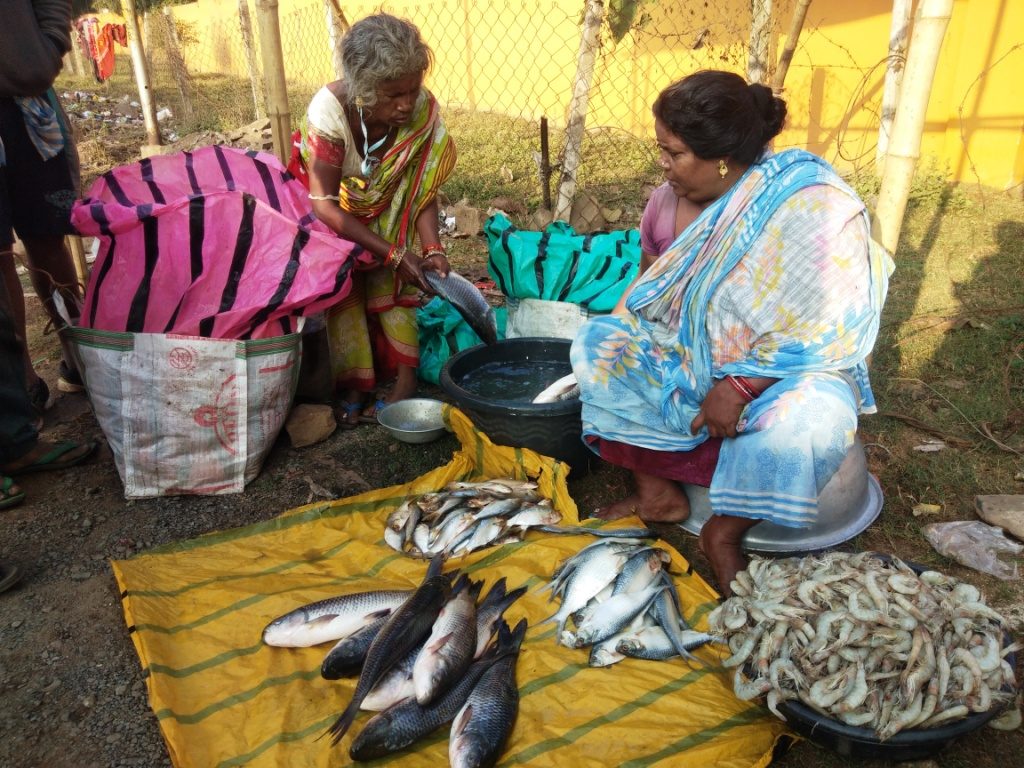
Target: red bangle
433 247
742 387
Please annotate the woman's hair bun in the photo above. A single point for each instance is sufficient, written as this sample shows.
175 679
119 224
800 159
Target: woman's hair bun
771 108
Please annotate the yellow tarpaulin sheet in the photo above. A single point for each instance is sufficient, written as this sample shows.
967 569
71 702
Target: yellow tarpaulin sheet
196 611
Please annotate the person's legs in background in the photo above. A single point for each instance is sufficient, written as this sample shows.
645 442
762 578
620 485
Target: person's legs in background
36 196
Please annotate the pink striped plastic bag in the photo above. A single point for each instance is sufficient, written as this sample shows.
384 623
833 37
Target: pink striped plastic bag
219 243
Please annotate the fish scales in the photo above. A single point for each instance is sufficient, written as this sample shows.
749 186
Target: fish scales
408 721
404 629
481 728
468 302
332 619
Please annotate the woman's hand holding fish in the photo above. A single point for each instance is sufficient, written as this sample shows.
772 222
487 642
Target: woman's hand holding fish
410 270
720 411
436 261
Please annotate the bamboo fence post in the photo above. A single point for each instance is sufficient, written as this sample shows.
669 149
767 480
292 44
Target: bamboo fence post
337 26
273 68
255 78
467 43
908 123
897 59
147 40
589 44
760 37
177 64
796 26
77 251
141 78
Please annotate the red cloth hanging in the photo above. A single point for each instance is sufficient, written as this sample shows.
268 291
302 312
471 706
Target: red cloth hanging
99 46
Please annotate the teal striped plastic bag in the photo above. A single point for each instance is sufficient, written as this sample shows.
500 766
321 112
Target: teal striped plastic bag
442 333
557 264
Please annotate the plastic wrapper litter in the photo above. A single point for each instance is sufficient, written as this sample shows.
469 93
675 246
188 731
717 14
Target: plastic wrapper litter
976 545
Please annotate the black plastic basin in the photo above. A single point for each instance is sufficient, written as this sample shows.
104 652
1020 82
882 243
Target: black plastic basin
551 429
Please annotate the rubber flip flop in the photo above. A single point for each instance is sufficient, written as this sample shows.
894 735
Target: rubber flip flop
371 418
8 499
351 409
9 576
52 459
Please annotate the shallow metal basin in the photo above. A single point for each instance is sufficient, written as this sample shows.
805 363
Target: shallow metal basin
415 420
847 505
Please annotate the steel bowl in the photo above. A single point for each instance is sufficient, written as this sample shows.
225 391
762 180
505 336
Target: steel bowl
416 420
848 504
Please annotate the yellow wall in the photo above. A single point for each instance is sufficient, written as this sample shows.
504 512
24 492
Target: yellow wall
520 59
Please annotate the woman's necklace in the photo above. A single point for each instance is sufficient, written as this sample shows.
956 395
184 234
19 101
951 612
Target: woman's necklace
370 161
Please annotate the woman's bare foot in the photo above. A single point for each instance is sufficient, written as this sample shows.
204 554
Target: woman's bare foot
721 541
656 500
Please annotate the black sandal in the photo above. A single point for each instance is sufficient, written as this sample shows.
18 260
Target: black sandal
39 396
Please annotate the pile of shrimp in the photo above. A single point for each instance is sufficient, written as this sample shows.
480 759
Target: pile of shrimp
865 641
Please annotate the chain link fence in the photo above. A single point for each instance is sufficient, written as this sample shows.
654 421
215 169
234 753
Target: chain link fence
501 67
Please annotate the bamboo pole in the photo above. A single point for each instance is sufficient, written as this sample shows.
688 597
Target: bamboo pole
897 59
468 53
796 26
337 26
273 69
760 37
77 251
255 78
908 123
141 78
589 44
177 63
76 53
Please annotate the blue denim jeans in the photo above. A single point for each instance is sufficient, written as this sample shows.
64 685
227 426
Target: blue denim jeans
17 419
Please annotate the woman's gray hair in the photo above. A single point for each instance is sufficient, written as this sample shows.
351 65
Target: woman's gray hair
378 48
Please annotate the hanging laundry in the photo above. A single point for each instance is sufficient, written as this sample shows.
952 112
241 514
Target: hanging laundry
119 34
99 44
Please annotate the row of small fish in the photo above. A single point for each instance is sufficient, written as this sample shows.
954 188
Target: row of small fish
622 602
467 516
423 657
864 640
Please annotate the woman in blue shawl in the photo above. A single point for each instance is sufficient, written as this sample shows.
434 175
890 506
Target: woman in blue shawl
737 360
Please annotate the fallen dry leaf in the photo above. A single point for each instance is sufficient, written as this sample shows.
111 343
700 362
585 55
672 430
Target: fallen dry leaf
926 509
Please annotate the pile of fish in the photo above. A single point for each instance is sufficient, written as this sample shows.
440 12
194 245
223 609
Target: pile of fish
864 640
623 603
467 516
424 658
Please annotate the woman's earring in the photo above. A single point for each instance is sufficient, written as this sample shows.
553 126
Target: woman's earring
723 169
359 102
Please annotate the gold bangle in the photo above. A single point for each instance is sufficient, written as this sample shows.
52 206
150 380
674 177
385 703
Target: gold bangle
434 252
399 254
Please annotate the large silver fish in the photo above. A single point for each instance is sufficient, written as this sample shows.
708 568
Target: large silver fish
486 720
332 619
404 629
450 646
599 621
408 721
467 299
565 388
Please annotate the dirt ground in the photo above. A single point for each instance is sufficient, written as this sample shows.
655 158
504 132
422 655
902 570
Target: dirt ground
72 693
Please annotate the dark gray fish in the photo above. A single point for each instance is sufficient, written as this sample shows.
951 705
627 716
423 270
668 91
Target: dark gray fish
490 610
347 657
405 628
467 299
486 720
408 721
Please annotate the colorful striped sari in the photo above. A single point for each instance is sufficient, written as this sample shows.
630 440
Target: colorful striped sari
777 278
374 328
